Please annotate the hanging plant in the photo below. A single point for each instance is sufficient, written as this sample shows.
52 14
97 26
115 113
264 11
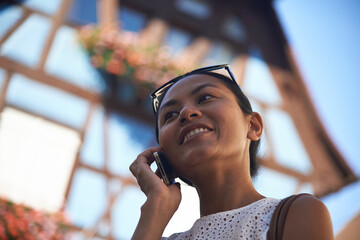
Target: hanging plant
20 222
122 54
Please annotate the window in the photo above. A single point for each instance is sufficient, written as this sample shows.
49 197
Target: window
197 8
34 169
49 7
26 43
131 20
177 39
47 101
83 12
235 29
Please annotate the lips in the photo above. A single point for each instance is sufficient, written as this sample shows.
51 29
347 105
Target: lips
191 131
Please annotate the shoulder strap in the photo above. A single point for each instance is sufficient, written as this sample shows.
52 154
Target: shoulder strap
277 223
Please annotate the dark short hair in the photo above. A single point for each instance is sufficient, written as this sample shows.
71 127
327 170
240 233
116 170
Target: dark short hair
244 105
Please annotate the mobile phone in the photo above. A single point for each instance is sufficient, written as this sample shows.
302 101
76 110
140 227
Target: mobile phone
164 168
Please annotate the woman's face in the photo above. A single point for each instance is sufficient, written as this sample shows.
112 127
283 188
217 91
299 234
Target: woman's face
200 122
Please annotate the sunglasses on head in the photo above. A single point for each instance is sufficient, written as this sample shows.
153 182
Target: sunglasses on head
158 93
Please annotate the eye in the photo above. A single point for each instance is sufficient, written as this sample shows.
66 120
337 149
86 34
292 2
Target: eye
205 97
169 115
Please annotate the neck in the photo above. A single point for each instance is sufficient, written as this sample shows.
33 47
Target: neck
222 193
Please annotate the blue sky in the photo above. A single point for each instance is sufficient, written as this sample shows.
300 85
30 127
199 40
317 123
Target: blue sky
324 36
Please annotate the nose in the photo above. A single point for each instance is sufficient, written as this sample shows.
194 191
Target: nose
188 113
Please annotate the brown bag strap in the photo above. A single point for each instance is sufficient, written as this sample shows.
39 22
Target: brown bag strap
278 219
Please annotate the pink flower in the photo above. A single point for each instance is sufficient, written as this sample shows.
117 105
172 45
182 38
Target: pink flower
11 224
20 222
115 67
29 236
2 232
97 61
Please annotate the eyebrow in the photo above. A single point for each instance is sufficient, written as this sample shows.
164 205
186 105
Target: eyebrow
193 92
197 89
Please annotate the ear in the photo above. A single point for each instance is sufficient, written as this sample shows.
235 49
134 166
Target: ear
255 127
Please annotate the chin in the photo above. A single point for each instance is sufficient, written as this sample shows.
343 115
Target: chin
197 156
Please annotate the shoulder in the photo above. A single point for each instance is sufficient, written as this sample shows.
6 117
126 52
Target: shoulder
308 218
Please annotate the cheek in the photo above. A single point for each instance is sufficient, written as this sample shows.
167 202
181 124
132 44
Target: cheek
166 141
166 136
236 124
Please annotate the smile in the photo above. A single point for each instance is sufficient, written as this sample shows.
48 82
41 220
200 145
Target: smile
194 132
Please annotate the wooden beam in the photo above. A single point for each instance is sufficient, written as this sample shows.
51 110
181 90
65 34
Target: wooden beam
77 159
42 77
286 171
303 118
23 18
107 12
46 15
57 20
86 232
238 66
34 11
4 90
192 54
126 180
38 115
337 159
330 170
132 110
154 33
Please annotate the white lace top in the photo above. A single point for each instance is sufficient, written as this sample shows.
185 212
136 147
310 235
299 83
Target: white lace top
249 222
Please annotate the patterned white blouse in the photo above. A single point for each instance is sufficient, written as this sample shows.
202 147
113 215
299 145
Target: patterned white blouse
248 222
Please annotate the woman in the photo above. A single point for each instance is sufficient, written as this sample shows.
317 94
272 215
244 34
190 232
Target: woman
209 134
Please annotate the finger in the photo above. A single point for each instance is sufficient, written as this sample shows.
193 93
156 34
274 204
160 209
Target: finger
175 186
144 157
140 168
147 155
157 172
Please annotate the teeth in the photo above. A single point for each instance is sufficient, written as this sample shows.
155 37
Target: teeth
195 131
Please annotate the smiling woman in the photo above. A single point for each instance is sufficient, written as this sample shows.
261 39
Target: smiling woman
209 134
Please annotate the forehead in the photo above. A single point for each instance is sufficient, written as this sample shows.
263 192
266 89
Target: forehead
188 84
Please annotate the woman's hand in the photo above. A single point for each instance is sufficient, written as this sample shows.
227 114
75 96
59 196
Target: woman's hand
162 201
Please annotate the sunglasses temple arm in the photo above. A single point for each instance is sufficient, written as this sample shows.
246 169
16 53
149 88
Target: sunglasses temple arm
231 74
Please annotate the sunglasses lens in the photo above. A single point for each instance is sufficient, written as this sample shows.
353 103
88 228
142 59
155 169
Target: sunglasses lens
222 71
157 94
